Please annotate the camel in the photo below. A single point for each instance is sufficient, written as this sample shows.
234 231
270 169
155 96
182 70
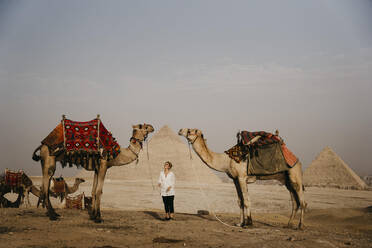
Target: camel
221 162
23 190
68 190
126 156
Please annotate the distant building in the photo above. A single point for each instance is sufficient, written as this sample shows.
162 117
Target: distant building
329 170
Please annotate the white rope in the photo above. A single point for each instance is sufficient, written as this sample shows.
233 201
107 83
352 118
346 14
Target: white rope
204 195
148 163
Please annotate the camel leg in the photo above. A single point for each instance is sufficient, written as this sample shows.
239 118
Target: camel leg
48 167
21 199
26 195
294 206
92 213
295 179
246 201
101 178
240 201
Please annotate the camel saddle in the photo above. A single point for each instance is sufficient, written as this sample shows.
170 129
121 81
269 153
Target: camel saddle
83 143
59 185
268 155
13 179
75 202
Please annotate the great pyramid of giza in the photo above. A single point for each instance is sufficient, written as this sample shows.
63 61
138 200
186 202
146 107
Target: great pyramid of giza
164 145
329 170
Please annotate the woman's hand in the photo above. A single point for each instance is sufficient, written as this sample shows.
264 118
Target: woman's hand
168 189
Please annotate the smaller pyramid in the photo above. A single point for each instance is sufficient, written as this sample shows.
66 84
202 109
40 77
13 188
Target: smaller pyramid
329 170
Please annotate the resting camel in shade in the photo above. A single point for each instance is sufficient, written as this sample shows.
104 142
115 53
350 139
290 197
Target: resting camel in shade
68 190
221 162
26 186
126 156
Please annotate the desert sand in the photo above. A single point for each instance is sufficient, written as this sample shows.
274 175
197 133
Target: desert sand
132 213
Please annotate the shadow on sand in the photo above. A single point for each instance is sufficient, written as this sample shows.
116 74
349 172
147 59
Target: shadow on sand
180 216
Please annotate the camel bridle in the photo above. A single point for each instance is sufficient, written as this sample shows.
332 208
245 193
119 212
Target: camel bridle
138 140
189 139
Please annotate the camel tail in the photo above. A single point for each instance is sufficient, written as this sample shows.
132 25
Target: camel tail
35 156
303 187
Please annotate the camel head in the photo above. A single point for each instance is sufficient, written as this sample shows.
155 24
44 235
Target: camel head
140 131
191 134
79 180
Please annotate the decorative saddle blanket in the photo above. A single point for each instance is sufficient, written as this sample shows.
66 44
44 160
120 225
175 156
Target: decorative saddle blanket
59 185
75 202
266 138
83 143
268 155
13 179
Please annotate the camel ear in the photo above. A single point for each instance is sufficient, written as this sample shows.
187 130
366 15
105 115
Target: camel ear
140 126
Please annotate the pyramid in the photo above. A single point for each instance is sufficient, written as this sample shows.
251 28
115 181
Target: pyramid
329 170
164 145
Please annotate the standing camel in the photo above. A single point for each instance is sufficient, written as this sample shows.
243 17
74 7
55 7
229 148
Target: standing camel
126 156
238 173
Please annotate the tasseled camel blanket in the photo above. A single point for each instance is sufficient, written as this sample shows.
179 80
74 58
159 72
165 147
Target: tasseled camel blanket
268 155
75 202
13 179
80 143
59 185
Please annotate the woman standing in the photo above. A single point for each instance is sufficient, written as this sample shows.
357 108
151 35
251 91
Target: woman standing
166 182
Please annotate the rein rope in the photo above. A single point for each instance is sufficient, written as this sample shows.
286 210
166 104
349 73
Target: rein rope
203 193
148 163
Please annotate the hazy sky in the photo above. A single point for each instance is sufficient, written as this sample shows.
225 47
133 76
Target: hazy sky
303 67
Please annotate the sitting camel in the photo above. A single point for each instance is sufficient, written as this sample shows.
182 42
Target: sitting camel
221 162
48 159
23 190
67 189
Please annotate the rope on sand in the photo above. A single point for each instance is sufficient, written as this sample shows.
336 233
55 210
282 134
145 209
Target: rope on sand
204 195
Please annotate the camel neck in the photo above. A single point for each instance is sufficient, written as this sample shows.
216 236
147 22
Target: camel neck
215 161
74 188
35 191
127 155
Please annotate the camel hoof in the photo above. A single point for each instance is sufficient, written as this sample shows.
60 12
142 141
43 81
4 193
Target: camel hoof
290 226
53 217
98 220
301 227
249 222
239 224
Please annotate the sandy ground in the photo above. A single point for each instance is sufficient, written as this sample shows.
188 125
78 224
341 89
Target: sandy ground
132 213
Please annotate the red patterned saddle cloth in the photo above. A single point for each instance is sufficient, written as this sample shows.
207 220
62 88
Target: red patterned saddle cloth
59 185
13 179
75 202
82 137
